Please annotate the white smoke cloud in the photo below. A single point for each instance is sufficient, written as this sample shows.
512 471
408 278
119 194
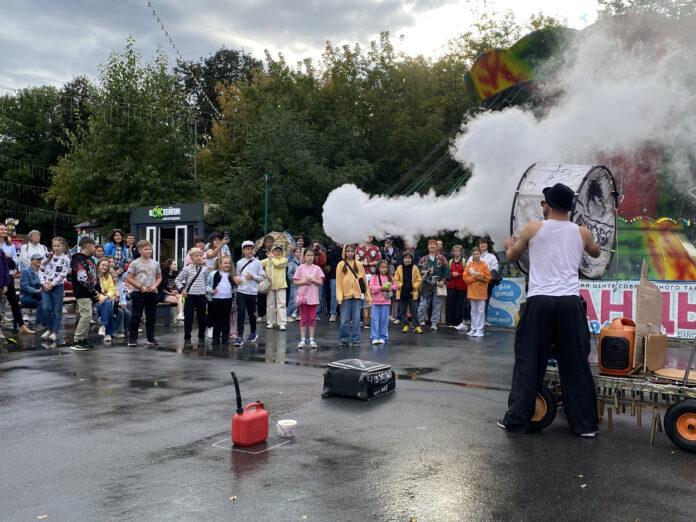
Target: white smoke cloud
616 99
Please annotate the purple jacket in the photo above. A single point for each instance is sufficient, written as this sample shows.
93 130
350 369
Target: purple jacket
5 277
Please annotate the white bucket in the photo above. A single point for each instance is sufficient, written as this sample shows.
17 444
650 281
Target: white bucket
286 428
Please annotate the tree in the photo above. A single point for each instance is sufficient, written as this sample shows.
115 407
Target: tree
137 149
200 79
672 9
32 137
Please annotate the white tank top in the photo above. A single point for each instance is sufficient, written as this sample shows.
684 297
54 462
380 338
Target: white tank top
555 253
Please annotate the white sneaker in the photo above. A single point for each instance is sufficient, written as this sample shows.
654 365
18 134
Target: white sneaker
52 337
107 338
375 341
382 341
180 317
477 333
471 332
589 435
396 321
291 319
312 343
460 327
422 323
301 344
332 319
434 328
269 326
281 328
46 334
102 331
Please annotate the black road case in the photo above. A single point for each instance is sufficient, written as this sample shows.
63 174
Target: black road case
358 379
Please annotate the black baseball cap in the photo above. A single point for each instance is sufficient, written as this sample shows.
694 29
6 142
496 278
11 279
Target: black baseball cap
559 197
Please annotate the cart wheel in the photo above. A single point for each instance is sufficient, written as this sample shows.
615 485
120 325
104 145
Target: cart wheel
680 424
545 410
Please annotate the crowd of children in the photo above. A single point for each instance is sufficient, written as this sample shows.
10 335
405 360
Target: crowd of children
362 284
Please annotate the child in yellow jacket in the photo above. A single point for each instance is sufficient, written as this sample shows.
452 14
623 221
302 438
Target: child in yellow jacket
276 270
350 295
477 276
408 278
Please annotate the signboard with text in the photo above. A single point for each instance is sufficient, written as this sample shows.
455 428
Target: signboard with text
605 301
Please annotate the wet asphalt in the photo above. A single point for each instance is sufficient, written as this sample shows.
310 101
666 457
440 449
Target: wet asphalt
136 434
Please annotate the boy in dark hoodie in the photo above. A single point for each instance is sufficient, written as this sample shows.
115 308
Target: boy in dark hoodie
84 281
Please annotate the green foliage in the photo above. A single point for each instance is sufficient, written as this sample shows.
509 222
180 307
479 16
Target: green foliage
672 9
137 148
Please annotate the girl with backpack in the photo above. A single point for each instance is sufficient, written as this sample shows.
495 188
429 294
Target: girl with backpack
351 290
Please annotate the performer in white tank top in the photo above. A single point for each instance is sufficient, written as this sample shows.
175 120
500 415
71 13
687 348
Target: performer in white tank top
554 322
555 274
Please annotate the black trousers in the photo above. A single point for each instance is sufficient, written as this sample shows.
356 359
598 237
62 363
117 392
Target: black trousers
220 310
261 306
140 301
561 322
246 305
11 295
406 305
195 304
457 307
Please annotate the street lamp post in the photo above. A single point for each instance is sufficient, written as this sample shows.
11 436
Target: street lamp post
266 191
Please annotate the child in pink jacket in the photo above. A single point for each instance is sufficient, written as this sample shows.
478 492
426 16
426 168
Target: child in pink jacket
382 288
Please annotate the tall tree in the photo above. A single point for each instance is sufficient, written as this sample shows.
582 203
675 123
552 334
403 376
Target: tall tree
138 148
201 78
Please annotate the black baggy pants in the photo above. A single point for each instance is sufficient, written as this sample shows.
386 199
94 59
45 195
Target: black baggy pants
195 304
561 322
140 301
220 310
246 305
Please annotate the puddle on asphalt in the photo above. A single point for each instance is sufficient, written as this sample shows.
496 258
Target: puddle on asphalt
144 384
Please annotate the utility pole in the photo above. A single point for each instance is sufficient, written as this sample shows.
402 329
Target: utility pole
266 190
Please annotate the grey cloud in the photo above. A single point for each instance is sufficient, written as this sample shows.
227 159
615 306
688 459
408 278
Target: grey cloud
50 41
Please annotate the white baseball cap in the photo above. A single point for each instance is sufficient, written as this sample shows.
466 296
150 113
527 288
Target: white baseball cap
247 244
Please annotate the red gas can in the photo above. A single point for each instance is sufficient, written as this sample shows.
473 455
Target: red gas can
249 425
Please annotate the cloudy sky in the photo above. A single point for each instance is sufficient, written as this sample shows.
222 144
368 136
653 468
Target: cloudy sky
50 41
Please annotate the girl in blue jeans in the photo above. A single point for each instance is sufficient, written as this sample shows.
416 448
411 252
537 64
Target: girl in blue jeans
350 293
54 269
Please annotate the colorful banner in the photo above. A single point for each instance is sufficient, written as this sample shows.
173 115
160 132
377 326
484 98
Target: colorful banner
605 301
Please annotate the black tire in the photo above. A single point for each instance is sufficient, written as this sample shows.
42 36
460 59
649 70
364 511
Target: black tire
546 410
680 424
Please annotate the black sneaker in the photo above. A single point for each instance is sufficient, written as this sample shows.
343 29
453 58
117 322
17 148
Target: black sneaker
201 342
514 429
133 342
152 344
81 345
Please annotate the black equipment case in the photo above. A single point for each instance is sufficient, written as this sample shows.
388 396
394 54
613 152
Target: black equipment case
358 379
